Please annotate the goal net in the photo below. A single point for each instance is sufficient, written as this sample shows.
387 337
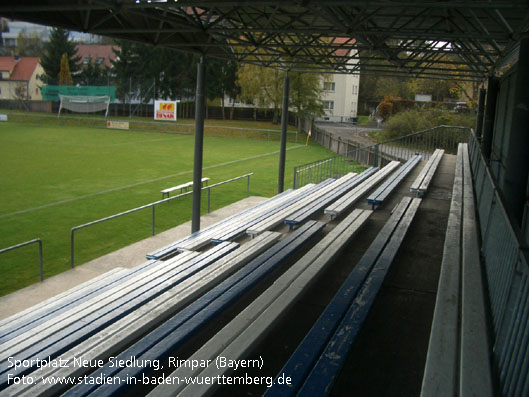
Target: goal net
84 104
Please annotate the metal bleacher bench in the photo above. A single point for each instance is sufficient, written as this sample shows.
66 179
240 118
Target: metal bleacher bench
68 329
182 187
111 340
457 361
318 360
301 215
174 332
354 195
384 190
421 183
251 325
233 226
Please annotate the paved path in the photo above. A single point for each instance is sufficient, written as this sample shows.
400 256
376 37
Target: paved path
347 131
126 257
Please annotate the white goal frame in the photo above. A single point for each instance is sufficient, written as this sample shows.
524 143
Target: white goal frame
84 103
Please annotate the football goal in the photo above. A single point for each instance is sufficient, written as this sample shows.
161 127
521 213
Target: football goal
84 104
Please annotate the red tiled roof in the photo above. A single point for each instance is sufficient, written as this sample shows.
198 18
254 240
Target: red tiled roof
21 69
7 64
25 68
97 51
342 40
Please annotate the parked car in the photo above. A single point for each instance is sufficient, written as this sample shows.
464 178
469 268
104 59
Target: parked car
461 107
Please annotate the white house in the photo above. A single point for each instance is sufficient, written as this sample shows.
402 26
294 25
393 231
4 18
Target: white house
340 97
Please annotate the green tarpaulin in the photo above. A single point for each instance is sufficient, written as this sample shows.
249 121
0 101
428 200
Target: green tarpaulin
51 92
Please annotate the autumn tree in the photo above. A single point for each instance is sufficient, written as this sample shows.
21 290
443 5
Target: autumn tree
262 87
54 49
65 77
29 45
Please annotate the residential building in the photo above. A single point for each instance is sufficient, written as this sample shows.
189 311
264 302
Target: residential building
10 38
19 78
101 55
340 91
340 97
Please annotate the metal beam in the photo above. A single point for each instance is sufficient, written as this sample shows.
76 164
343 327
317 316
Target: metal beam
199 146
284 126
516 163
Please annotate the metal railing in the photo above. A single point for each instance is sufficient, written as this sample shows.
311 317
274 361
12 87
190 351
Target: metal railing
507 274
36 240
379 154
153 206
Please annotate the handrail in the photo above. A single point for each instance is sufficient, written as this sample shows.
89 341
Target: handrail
36 240
153 205
377 154
401 138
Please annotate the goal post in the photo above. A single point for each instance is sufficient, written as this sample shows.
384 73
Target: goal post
84 104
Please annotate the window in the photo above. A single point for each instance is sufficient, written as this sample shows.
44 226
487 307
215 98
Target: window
329 86
328 105
86 60
99 60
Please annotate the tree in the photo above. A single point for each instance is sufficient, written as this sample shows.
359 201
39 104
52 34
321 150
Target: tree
305 93
65 78
153 71
29 45
58 45
221 80
94 74
261 86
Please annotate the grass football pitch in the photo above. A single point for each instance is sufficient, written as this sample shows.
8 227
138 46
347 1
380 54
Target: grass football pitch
56 177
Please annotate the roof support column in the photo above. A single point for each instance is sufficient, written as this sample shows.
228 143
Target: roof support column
490 114
516 164
199 147
481 111
284 125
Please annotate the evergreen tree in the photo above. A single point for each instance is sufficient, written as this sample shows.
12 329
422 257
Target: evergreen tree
58 45
145 71
221 80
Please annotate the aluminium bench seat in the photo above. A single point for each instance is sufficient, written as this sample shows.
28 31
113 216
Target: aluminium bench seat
182 187
238 225
457 362
350 198
242 227
239 336
203 237
378 196
317 361
421 183
322 189
122 332
74 297
173 333
316 205
59 335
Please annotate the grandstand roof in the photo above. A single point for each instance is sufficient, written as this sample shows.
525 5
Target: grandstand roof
402 38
